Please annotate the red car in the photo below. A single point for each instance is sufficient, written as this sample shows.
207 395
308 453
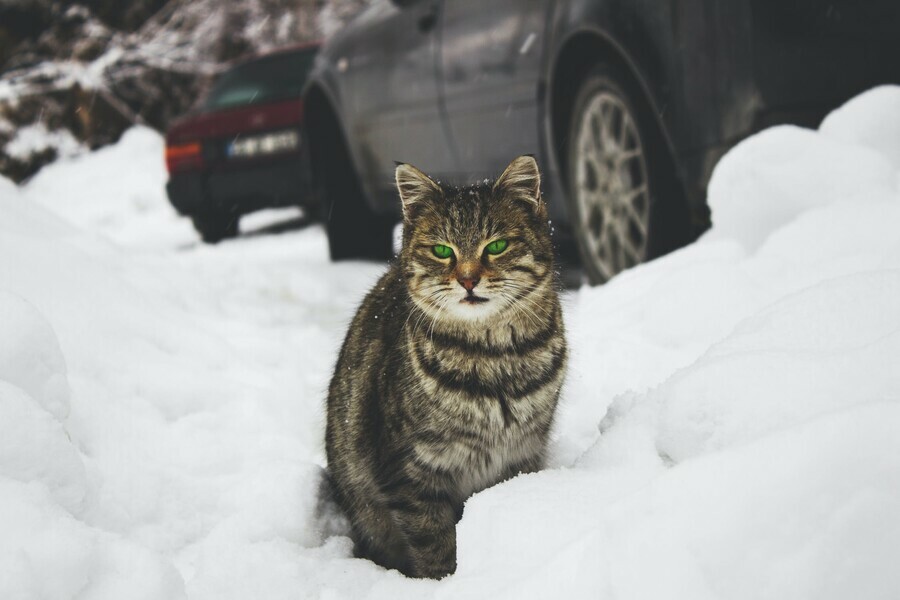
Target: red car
242 148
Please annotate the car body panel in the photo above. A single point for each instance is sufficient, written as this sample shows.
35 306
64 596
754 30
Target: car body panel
236 121
389 92
489 71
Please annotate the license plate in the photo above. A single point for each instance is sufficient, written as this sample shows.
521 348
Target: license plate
262 145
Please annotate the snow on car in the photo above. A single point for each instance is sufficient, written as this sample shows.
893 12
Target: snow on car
728 428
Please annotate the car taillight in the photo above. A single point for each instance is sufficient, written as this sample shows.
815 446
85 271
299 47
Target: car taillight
183 157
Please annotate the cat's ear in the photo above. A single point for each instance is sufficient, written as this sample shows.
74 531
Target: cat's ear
521 180
414 187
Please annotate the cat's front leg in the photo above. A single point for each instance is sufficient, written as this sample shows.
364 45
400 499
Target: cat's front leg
428 520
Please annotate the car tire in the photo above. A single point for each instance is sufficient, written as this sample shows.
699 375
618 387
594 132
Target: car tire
213 228
624 200
354 230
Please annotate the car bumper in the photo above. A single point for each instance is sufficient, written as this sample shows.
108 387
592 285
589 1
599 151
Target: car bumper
242 189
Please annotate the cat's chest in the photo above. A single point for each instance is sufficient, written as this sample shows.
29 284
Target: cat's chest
481 435
486 466
481 413
476 466
493 396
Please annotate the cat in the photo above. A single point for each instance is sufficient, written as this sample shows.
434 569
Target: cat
449 375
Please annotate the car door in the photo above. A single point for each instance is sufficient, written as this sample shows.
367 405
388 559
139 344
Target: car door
811 55
391 92
489 72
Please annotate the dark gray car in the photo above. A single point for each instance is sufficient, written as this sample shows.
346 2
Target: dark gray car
627 104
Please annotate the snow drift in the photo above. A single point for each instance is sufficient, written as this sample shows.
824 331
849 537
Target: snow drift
728 429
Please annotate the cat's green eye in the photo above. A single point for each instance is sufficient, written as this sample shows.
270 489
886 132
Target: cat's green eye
497 246
442 251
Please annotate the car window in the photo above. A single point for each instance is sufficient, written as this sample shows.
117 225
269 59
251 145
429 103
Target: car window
268 79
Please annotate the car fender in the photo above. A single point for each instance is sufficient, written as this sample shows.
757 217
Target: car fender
627 38
324 80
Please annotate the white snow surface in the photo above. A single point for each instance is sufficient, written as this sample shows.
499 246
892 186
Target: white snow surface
36 138
729 427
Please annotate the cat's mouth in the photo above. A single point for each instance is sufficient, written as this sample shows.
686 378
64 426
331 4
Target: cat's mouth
473 299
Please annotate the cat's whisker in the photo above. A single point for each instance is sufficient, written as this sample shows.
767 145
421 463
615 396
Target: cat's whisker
523 310
534 306
542 309
430 300
533 320
434 320
419 321
534 317
526 297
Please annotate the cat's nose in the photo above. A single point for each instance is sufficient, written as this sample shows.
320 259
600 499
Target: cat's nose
468 282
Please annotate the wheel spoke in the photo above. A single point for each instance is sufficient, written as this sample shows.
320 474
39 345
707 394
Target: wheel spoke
632 254
614 236
629 196
624 156
636 218
585 149
611 246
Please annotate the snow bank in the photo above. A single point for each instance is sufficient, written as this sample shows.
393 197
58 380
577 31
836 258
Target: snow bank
34 399
871 119
45 550
30 357
749 449
747 452
771 178
160 414
118 191
728 429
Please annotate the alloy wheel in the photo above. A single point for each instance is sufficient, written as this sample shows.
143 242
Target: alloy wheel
611 192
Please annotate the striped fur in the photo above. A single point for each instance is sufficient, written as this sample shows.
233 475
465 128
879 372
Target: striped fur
434 398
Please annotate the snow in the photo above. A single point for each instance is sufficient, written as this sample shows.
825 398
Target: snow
727 430
871 119
36 138
115 191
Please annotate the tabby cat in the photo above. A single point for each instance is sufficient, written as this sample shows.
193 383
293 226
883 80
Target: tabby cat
450 373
